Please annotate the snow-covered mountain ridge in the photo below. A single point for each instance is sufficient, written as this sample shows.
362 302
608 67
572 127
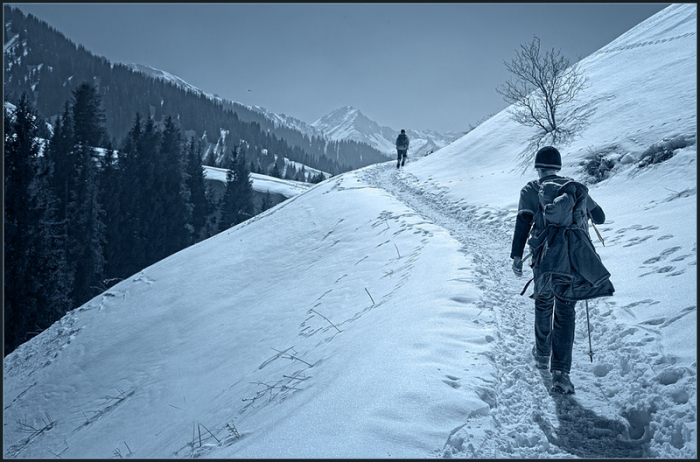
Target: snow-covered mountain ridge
349 123
345 123
376 314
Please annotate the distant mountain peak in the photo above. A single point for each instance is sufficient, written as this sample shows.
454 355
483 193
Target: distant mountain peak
349 123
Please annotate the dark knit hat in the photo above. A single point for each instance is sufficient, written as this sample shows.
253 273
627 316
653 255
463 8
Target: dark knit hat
548 157
403 131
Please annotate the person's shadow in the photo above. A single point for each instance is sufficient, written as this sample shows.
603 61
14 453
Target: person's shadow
585 434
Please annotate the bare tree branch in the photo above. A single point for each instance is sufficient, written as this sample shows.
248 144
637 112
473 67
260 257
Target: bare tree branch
541 84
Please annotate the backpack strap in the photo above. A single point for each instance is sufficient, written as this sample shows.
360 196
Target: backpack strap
526 285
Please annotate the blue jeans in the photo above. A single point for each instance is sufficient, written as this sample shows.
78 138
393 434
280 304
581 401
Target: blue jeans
555 322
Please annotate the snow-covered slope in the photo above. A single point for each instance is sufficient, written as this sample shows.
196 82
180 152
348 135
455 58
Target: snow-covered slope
168 77
276 119
375 315
348 123
262 183
283 120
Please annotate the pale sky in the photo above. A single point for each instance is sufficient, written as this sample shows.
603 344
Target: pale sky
405 65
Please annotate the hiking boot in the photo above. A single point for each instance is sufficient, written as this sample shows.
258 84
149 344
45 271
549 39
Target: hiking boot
398 164
541 361
561 382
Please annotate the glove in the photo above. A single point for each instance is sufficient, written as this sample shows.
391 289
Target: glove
518 266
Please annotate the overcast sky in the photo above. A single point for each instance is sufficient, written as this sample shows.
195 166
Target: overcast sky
404 65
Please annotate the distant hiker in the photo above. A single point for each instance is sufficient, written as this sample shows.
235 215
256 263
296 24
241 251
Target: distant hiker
554 211
401 148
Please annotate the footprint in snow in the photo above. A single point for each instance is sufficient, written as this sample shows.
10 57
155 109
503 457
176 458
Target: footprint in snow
663 270
662 255
637 240
452 381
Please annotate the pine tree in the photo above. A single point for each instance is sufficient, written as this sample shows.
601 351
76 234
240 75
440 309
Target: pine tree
170 194
35 278
109 196
88 116
237 202
291 172
151 216
59 153
246 207
199 205
86 228
319 177
123 253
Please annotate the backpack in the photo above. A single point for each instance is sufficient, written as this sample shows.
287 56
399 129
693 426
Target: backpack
562 204
402 141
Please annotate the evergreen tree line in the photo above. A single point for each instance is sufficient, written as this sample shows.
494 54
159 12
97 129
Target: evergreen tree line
79 218
47 66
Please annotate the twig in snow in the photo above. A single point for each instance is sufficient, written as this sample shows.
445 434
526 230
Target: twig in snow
370 295
290 356
387 227
232 428
193 435
217 439
397 250
118 453
23 426
329 321
272 387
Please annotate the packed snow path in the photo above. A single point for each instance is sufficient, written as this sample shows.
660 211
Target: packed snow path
603 419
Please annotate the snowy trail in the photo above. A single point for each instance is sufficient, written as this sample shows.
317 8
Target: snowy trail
602 420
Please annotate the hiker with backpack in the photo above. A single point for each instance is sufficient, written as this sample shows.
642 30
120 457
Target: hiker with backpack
553 214
402 148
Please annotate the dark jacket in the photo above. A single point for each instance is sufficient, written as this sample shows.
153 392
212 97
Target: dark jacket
564 260
528 206
402 142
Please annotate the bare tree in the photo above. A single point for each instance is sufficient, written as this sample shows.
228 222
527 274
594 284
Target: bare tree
543 83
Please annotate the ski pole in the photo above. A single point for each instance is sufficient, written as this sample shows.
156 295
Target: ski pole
590 345
598 233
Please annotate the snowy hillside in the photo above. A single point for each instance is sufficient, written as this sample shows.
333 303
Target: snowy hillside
348 123
376 314
168 77
262 183
276 119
